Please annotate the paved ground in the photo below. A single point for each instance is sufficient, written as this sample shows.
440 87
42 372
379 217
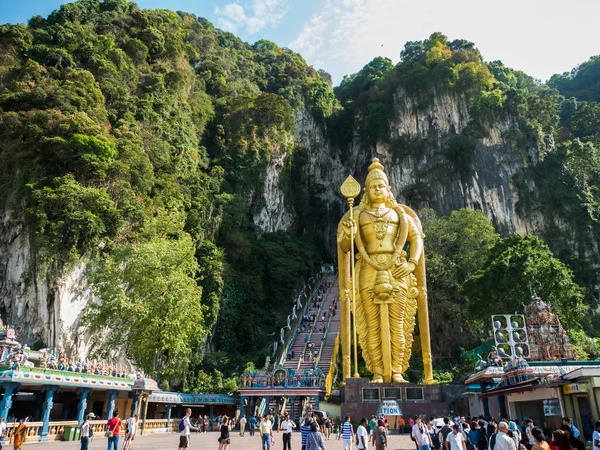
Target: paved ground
208 441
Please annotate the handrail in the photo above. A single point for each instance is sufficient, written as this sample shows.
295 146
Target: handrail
332 365
301 358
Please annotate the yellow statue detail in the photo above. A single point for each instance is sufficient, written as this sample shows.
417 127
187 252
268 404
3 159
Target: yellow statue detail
389 288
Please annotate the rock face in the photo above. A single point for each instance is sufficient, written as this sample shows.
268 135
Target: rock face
417 165
45 310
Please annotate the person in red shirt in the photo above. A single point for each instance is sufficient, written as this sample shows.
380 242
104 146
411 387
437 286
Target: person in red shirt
112 431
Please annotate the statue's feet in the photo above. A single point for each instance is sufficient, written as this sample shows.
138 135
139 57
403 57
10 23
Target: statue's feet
398 378
377 379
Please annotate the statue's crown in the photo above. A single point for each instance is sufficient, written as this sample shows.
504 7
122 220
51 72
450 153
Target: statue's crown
376 172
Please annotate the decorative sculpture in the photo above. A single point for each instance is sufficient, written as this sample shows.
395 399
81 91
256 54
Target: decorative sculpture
389 284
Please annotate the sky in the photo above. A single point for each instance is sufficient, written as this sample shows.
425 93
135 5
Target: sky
540 37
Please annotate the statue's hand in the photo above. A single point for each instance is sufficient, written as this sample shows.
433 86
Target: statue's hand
403 269
349 227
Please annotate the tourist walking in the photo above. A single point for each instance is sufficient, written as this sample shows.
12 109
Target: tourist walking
305 431
85 427
503 440
540 439
224 440
252 425
455 440
421 435
242 426
2 430
380 435
286 428
314 440
20 435
347 434
112 431
184 436
362 435
130 431
266 432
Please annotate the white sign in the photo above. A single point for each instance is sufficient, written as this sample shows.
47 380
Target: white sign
389 408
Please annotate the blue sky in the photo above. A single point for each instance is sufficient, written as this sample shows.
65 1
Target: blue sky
540 37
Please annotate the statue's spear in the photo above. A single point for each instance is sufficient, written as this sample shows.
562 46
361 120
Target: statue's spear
350 189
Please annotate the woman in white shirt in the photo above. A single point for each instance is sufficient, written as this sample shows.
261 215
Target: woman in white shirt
421 435
131 431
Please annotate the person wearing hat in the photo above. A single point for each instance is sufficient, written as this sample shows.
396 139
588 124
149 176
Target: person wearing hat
86 431
455 440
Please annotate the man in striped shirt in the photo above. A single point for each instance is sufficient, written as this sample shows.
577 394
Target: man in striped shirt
347 434
305 430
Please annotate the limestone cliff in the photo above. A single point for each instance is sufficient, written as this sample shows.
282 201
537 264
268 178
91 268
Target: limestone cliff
46 309
417 164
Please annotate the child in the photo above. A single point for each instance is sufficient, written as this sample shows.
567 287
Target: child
336 427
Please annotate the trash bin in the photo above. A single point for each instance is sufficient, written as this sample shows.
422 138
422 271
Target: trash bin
69 434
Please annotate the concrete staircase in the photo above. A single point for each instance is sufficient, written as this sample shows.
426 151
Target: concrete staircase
321 333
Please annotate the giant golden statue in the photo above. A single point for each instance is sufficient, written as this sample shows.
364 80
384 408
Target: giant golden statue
389 283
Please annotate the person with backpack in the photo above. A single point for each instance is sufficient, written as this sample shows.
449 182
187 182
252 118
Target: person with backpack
445 431
86 431
184 430
433 435
130 432
420 435
379 436
362 435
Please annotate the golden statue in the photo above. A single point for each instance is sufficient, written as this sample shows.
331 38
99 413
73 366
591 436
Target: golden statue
389 287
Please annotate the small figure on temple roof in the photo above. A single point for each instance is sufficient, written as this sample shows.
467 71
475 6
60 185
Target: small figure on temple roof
493 359
62 362
17 360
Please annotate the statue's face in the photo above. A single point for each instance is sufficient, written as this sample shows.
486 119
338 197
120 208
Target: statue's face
377 191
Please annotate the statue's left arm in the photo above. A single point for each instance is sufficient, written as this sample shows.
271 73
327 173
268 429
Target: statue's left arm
415 238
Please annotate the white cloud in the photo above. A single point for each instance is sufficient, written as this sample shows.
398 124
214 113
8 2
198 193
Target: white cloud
540 37
251 17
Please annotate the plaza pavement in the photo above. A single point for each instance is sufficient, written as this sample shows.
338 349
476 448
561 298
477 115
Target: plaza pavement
208 441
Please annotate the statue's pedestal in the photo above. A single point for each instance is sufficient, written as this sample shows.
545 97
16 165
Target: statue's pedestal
361 398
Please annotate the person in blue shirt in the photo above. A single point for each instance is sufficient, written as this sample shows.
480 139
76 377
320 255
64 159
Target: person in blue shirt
252 425
576 433
305 430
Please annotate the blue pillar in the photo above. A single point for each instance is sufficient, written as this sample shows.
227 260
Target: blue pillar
169 408
317 402
135 404
84 392
112 395
47 408
242 406
6 403
292 404
267 401
211 417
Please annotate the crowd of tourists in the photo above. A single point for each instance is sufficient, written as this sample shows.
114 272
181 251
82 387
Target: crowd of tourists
488 434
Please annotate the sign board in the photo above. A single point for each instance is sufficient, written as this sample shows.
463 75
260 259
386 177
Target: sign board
389 408
574 388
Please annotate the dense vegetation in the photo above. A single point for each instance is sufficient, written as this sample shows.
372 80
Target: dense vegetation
133 138
139 140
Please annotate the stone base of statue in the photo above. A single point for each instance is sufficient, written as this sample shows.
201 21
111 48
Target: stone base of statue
361 398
